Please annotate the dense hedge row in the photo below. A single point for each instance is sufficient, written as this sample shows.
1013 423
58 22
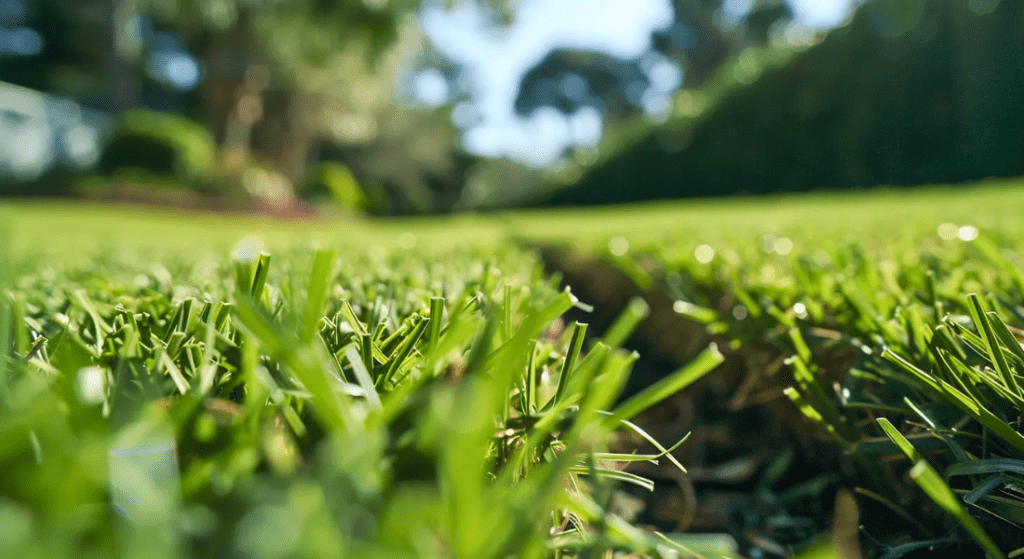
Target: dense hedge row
874 103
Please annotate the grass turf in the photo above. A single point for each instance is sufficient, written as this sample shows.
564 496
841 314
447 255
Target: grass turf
136 302
56 227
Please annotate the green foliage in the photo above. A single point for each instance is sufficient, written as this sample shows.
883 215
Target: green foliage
293 31
335 182
280 84
161 143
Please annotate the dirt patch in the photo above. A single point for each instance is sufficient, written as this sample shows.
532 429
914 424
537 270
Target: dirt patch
190 200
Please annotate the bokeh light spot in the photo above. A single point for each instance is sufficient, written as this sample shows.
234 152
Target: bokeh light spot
704 254
783 246
618 246
431 88
967 233
948 231
91 385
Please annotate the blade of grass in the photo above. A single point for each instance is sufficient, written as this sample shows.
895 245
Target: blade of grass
363 377
619 457
802 351
811 386
962 376
506 308
985 486
402 353
696 313
626 323
301 359
616 475
571 355
1005 336
932 484
166 364
352 319
704 363
319 282
962 401
436 314
995 351
810 413
259 280
985 466
532 325
666 452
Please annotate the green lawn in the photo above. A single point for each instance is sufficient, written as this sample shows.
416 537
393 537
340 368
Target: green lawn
411 387
56 226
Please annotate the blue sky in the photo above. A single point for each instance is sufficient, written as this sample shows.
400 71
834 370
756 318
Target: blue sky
497 59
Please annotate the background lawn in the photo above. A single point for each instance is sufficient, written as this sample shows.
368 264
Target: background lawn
55 227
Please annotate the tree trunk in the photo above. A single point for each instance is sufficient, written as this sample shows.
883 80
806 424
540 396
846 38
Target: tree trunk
245 114
123 48
285 136
233 79
248 117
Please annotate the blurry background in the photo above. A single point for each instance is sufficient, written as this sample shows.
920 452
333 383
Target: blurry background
426 106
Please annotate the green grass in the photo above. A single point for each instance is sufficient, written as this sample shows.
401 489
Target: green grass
200 385
309 403
923 295
61 228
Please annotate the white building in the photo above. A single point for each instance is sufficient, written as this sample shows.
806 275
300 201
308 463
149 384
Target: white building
39 132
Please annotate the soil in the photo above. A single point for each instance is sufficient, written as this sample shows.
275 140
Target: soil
177 198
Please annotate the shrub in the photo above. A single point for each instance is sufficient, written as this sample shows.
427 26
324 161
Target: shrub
160 143
335 181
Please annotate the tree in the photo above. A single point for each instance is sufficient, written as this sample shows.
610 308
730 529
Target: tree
699 39
76 45
263 60
282 82
569 80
